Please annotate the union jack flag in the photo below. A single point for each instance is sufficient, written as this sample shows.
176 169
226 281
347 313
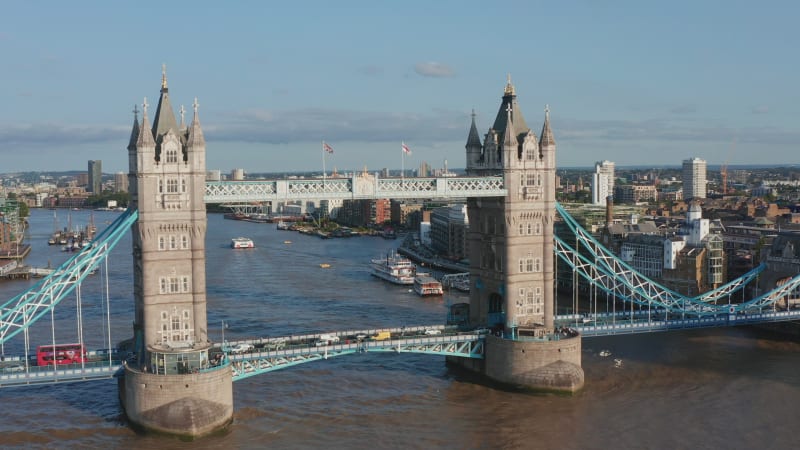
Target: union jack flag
327 147
406 149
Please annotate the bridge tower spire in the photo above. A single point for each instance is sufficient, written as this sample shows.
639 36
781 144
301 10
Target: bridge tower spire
512 267
173 387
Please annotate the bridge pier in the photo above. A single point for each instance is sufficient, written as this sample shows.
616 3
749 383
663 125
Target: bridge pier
190 405
550 366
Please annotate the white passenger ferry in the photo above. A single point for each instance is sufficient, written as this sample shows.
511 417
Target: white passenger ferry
425 284
242 242
394 268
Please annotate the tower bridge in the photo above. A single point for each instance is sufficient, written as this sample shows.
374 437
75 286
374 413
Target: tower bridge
174 379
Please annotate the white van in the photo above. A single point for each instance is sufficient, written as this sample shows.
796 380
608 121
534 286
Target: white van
327 339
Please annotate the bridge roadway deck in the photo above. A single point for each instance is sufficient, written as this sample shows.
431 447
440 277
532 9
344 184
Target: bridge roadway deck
270 354
264 355
606 324
17 371
354 187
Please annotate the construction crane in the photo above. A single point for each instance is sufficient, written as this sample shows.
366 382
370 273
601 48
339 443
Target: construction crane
723 170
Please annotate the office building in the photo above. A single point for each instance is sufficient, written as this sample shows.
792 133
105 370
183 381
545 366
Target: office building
602 182
95 181
120 182
694 178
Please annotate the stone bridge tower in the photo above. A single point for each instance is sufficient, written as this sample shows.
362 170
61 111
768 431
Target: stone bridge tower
173 387
511 255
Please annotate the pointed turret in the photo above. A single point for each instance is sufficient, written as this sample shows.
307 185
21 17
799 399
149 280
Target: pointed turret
547 143
196 137
135 129
509 138
474 145
547 134
145 136
164 119
501 121
474 139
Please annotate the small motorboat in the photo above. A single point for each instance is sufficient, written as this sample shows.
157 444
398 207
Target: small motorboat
605 353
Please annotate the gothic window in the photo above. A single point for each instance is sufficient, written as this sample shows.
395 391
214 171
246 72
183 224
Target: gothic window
173 244
186 316
172 155
184 241
185 287
531 153
537 228
529 302
521 229
161 243
173 284
539 180
183 185
172 186
531 179
160 186
521 265
529 266
537 265
530 228
162 285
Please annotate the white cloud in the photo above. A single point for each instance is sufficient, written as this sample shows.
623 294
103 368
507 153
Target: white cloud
434 69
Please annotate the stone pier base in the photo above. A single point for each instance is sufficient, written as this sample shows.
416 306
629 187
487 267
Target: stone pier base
191 405
535 365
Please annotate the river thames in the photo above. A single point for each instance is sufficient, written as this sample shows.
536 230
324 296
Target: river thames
717 388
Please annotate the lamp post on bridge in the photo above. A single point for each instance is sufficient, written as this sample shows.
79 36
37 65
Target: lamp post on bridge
222 344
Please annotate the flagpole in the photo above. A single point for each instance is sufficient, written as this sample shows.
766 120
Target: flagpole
323 162
402 162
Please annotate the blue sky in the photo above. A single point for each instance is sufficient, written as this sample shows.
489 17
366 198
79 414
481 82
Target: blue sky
637 83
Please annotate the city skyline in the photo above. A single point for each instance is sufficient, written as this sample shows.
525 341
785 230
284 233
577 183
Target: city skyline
630 83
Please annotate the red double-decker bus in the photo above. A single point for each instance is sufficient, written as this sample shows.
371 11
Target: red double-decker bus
60 354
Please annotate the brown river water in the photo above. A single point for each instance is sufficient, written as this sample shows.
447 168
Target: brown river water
716 388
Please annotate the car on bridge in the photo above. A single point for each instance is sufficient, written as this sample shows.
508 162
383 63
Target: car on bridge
432 332
242 348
